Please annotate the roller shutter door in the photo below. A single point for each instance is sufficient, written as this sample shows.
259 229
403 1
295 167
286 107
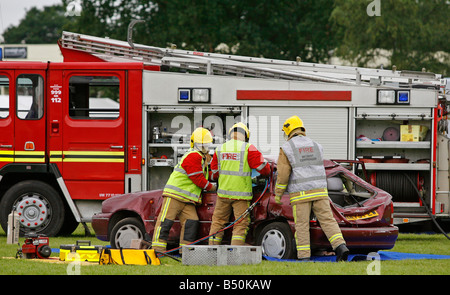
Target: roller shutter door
328 126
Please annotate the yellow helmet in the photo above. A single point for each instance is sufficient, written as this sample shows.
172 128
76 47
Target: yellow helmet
292 123
242 126
201 136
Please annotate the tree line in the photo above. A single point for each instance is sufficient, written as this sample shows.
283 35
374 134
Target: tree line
413 34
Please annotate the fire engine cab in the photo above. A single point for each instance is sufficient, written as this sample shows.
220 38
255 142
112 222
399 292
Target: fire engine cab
115 117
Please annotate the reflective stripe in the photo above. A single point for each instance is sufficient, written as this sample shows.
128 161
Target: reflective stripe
6 156
61 156
233 193
260 167
306 179
166 207
215 239
156 241
180 170
159 244
235 173
241 162
303 248
305 196
281 186
29 156
87 156
56 156
180 190
195 173
238 238
218 157
334 237
93 156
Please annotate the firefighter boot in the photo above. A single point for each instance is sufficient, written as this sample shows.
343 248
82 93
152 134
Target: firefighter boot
341 253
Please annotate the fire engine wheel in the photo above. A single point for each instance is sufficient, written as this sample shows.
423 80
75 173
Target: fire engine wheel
276 240
39 206
126 230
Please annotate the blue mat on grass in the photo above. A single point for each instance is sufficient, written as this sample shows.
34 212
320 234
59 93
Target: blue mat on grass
382 255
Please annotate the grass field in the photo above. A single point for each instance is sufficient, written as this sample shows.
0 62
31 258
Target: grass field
409 243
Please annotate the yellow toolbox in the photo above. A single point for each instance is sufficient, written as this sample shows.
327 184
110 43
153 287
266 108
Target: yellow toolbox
82 251
129 257
413 132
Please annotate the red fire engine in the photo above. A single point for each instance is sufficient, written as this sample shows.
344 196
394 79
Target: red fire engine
111 119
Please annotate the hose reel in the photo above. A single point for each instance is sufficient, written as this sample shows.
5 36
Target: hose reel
397 184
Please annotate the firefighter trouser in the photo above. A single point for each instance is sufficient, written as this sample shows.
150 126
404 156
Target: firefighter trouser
170 210
322 210
221 216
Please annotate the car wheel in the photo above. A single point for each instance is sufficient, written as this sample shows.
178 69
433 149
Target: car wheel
39 206
276 240
125 230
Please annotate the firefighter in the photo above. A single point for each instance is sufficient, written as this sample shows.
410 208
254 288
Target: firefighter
232 165
183 191
302 173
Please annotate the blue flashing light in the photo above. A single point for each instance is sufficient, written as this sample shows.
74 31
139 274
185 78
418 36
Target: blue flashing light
184 95
403 97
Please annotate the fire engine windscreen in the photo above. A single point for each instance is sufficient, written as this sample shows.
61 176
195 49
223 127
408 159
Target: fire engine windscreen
94 97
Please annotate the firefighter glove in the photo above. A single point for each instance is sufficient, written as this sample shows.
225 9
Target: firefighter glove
213 188
278 200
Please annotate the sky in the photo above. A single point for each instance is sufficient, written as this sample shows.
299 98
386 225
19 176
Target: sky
12 11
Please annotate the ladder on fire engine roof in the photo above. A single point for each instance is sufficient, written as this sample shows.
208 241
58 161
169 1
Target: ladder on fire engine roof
224 64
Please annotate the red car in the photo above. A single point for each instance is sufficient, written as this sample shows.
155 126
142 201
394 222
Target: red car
364 214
